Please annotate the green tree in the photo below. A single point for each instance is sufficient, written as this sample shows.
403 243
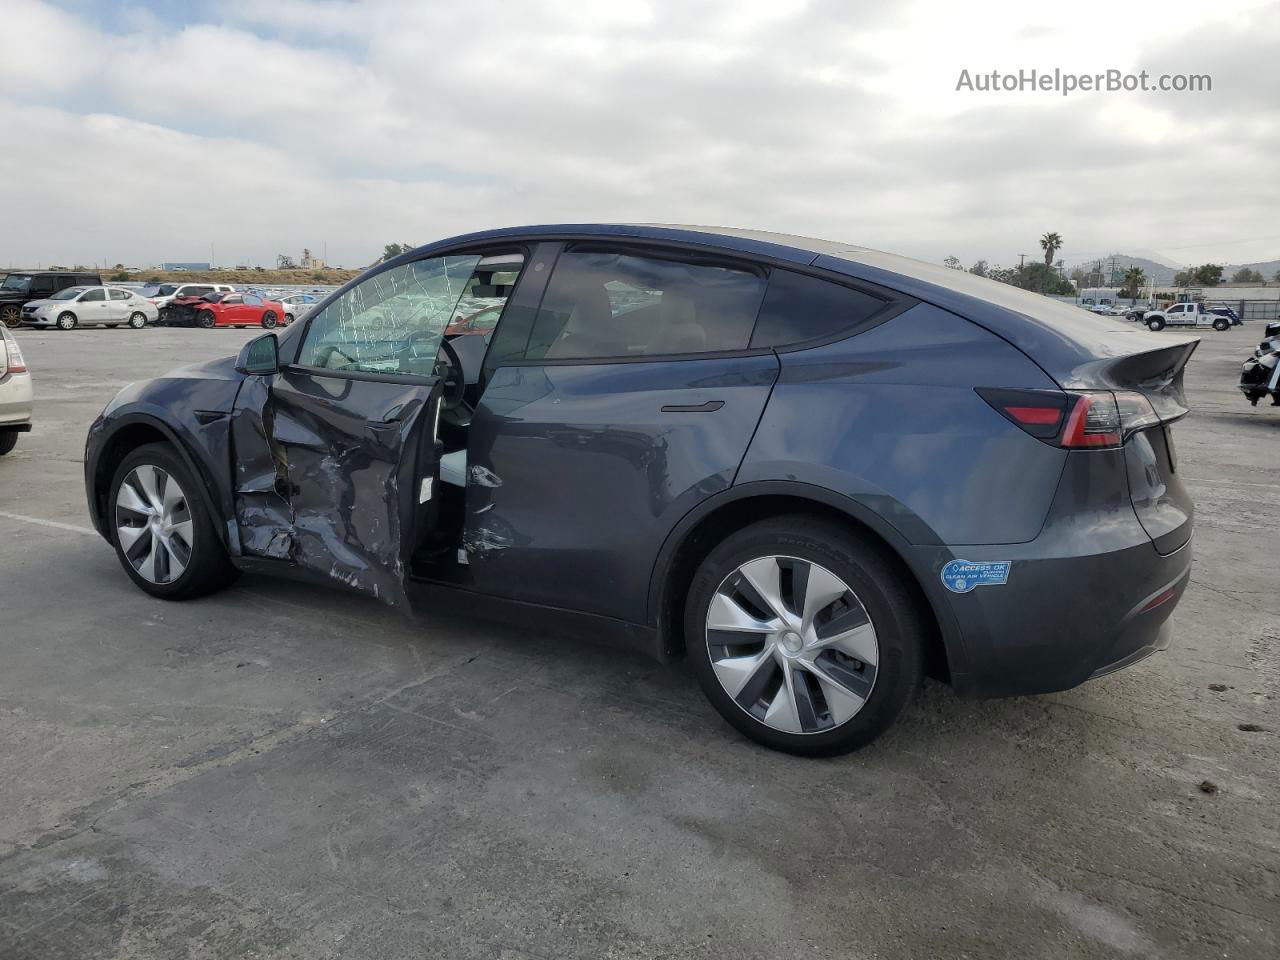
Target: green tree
1042 278
979 269
953 263
1245 275
1207 275
119 277
1134 278
1050 243
392 250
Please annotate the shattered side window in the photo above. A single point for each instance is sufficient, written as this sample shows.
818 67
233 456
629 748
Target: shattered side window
391 323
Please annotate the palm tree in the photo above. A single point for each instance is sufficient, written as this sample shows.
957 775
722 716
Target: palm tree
1134 280
1050 243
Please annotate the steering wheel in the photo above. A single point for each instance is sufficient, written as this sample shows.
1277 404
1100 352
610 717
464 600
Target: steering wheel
448 368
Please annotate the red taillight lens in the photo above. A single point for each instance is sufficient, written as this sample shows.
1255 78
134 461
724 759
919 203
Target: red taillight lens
1093 422
16 364
1039 412
1075 419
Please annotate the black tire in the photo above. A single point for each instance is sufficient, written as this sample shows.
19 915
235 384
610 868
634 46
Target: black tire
288 319
269 320
1220 324
891 604
11 316
67 321
1156 323
8 440
137 320
209 568
206 319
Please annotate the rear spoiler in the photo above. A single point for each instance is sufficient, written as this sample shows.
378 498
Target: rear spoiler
1156 374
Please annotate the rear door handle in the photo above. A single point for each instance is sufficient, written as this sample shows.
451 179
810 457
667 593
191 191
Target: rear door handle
709 407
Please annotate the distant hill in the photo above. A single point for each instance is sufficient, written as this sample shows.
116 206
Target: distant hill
1159 273
1162 273
1267 268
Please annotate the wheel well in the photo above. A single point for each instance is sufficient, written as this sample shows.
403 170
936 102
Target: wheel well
718 524
123 442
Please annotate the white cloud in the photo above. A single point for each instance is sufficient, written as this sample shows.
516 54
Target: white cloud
275 126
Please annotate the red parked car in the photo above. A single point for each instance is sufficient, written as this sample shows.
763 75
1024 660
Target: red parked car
226 310
480 322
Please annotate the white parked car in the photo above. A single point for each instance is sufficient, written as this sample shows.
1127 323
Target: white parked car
15 392
90 306
298 305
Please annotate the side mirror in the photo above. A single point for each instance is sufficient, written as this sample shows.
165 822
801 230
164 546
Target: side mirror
260 356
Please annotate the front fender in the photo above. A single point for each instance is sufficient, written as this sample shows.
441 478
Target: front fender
200 434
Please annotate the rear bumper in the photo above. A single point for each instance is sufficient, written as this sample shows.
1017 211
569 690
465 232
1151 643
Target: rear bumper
1058 622
1090 595
15 401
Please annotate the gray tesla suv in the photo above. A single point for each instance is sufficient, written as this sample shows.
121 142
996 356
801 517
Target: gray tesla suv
815 471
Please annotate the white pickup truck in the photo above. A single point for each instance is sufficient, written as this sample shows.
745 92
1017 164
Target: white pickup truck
1185 315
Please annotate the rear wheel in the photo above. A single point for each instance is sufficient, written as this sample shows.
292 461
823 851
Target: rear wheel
1156 323
206 319
67 321
137 320
162 532
1220 324
269 319
11 316
804 638
8 440
288 319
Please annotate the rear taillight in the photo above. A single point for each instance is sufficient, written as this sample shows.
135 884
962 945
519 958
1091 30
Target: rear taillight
1075 419
16 363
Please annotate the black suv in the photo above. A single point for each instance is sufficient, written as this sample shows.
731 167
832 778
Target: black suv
24 286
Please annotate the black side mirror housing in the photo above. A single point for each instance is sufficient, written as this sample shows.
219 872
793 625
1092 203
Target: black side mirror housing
260 356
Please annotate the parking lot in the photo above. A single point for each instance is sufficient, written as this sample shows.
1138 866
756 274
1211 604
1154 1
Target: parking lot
287 771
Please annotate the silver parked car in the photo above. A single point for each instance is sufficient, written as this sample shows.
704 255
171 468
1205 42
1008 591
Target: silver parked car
298 305
15 392
89 306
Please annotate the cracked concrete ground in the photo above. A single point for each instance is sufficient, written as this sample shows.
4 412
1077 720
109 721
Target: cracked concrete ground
287 771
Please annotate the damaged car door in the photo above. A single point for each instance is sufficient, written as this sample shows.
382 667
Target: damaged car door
335 454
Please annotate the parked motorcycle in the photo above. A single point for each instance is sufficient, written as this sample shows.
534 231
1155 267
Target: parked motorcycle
1260 374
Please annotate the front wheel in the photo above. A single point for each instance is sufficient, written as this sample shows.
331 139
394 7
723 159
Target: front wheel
67 321
137 320
11 316
161 529
803 637
206 319
269 320
1155 324
9 440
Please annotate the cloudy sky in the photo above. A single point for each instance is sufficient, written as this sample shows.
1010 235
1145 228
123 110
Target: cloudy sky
141 132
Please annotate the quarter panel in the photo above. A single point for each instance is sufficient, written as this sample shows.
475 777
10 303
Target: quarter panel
890 418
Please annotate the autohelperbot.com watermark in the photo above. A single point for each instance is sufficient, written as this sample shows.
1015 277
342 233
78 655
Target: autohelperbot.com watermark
1065 83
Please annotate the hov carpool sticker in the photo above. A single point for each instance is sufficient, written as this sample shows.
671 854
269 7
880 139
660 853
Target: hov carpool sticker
961 576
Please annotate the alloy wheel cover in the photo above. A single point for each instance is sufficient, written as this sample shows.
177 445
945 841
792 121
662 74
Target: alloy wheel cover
154 525
792 645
